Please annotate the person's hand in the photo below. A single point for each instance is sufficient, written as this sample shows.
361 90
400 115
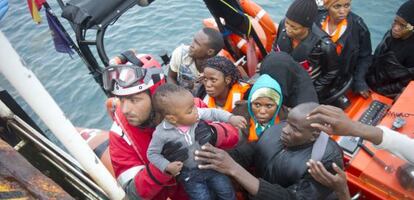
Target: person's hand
238 121
364 93
174 151
203 133
174 168
336 182
331 120
200 78
216 159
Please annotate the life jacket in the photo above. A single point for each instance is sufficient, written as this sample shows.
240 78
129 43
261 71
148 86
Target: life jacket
353 46
236 93
253 137
301 53
339 31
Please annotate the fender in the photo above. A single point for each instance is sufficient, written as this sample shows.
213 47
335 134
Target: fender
98 141
242 43
264 19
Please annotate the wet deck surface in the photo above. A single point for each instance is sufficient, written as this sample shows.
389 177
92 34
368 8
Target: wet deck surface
20 180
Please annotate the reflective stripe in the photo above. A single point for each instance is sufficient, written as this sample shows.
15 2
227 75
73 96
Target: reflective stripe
236 97
118 130
241 43
129 174
260 15
206 98
315 73
121 91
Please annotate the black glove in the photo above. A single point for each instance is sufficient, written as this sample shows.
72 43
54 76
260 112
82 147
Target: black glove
174 151
205 133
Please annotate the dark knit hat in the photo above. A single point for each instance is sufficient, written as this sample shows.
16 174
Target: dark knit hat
303 12
406 11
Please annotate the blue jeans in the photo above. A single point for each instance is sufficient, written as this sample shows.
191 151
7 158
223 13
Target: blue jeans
206 184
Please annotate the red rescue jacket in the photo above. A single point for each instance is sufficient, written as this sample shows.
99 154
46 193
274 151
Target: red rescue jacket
129 157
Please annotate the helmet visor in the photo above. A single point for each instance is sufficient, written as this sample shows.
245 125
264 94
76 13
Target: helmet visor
123 75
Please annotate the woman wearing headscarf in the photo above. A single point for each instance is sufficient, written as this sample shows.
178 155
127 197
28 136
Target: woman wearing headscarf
352 38
294 81
393 63
263 105
222 87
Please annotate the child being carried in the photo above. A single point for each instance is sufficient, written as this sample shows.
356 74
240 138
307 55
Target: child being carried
180 119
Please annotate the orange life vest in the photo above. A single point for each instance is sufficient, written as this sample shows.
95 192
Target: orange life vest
236 93
253 137
337 34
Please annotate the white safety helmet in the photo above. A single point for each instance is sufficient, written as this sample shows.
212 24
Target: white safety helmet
135 76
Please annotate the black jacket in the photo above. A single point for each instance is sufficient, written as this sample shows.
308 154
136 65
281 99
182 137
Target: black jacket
393 65
317 54
355 57
282 171
295 82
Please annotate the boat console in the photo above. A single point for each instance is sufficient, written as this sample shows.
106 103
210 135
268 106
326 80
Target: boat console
372 173
371 116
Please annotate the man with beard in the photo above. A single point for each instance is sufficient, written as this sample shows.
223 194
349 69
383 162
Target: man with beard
133 127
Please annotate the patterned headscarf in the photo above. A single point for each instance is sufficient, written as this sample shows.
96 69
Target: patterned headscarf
225 66
328 3
266 92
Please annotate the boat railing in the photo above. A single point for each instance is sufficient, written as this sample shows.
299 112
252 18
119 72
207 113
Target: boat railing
71 176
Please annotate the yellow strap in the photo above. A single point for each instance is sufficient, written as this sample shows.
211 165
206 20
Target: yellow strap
235 10
35 13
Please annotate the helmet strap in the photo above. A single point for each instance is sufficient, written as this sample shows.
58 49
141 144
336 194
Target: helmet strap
151 121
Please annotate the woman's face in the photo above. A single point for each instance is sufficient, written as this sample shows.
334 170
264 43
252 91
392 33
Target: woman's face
294 30
401 29
215 82
263 109
339 10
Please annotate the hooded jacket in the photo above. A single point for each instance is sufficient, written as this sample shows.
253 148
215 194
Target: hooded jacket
356 53
264 81
282 171
317 55
295 83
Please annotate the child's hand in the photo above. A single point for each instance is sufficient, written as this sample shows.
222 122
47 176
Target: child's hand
238 121
174 168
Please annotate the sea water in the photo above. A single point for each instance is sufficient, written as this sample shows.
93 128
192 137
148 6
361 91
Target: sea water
162 26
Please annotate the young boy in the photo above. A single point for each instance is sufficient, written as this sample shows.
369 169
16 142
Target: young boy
180 119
